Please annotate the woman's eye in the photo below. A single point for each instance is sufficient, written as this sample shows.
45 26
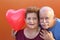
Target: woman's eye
34 18
28 18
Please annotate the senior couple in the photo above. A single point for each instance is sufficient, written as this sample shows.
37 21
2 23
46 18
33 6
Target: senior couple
41 24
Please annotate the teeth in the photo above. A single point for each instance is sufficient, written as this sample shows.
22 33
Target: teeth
43 25
31 24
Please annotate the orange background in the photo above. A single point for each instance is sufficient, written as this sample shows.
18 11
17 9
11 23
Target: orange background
5 30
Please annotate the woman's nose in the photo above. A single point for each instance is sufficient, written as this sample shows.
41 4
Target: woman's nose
32 21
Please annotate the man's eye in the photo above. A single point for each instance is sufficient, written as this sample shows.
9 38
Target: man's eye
46 18
41 18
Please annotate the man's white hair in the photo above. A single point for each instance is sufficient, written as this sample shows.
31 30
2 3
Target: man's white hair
46 8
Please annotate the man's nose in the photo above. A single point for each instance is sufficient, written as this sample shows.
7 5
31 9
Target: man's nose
44 21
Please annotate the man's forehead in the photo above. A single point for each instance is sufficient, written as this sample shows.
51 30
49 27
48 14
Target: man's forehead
45 10
45 15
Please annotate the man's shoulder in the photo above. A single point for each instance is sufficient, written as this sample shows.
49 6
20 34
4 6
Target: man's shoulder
58 19
56 27
56 30
57 22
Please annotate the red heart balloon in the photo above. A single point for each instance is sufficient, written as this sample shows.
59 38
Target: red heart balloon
16 18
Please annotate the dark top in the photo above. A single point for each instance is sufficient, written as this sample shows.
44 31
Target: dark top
20 36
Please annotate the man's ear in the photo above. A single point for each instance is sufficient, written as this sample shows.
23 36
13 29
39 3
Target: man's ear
54 17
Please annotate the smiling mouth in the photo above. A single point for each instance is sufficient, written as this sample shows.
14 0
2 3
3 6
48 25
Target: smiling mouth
44 25
31 24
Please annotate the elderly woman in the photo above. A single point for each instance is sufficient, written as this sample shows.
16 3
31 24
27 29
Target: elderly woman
32 29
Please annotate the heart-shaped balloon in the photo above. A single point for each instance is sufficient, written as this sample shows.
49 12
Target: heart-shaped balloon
16 18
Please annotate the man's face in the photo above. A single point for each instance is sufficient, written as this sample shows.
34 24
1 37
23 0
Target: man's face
46 19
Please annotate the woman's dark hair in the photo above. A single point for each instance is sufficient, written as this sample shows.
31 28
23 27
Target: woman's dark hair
32 10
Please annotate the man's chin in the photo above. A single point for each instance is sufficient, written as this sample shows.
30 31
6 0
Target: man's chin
45 28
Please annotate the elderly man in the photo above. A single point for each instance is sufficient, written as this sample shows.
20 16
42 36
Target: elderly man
49 22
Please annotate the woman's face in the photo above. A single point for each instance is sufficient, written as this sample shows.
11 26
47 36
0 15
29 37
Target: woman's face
32 20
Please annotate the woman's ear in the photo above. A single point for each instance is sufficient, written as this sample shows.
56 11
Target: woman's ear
25 20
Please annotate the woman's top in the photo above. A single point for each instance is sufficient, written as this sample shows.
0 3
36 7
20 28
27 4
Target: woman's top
20 36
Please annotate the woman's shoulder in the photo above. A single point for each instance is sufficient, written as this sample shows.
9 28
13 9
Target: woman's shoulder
20 32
